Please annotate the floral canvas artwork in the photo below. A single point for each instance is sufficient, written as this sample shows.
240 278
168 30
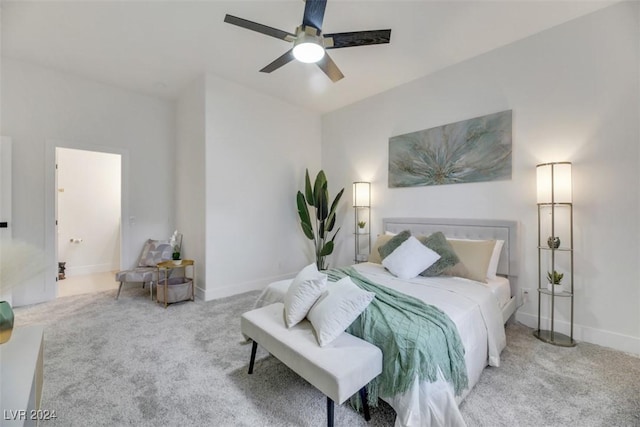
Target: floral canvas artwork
473 150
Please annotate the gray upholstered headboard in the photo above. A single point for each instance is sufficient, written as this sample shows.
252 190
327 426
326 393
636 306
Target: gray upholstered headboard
468 229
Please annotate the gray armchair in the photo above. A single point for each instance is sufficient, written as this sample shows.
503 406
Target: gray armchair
153 252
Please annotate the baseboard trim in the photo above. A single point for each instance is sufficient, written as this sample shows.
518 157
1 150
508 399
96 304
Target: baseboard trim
239 288
625 343
89 269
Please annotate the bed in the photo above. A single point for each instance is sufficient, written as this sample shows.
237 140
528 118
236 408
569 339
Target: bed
476 229
478 310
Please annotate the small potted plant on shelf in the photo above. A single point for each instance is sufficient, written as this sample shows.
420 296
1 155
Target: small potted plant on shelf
361 226
554 278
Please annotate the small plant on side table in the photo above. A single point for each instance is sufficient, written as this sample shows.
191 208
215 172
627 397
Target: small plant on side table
176 244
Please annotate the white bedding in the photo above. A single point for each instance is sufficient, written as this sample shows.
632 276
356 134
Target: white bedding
473 308
501 289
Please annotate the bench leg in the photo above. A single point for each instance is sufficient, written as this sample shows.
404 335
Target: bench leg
119 289
365 405
329 412
254 347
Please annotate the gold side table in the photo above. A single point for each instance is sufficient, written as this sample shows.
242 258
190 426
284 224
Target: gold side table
171 265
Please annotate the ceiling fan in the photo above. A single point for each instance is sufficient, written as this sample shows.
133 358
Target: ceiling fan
309 43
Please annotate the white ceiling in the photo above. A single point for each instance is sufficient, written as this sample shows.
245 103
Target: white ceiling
158 47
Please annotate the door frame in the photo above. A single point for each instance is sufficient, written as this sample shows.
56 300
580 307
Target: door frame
6 164
51 195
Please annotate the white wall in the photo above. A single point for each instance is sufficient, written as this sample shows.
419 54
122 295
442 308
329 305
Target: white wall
257 148
40 105
190 177
88 211
574 92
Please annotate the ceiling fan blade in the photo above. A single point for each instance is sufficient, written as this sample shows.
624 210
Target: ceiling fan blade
330 68
314 13
356 38
282 60
263 29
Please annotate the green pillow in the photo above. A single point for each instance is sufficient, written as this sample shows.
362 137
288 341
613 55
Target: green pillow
438 243
386 249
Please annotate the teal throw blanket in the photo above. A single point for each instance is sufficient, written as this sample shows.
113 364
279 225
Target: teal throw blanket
415 338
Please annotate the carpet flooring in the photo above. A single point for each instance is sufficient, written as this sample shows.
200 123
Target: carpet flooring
132 362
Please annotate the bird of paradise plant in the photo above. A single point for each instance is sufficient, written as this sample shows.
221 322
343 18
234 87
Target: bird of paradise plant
324 216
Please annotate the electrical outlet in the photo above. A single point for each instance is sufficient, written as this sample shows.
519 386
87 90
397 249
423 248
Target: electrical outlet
525 295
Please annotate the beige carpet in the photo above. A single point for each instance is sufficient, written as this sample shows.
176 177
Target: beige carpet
131 362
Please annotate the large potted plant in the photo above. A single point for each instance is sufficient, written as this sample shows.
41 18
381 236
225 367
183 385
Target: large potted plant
319 227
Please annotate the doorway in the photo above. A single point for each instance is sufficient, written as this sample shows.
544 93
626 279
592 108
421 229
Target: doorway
89 220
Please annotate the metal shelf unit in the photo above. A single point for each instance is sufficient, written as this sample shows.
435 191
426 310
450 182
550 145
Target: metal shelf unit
362 239
549 255
361 212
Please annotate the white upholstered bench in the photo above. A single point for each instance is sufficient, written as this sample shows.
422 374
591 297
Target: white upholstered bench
339 370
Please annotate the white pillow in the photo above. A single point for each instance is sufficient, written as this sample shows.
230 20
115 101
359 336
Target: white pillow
495 258
410 259
303 292
337 308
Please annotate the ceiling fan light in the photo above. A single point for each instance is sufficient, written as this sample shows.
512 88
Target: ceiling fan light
308 52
